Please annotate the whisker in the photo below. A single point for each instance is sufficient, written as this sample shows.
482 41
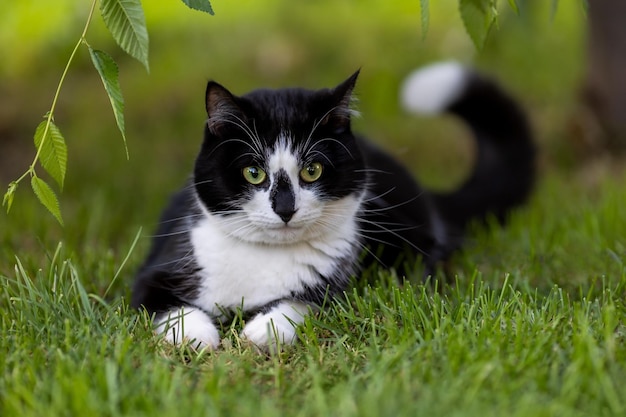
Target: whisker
366 233
256 138
384 226
191 185
359 242
190 258
384 229
330 162
185 257
381 241
387 208
335 141
397 235
253 135
305 147
177 219
239 140
180 232
379 196
368 170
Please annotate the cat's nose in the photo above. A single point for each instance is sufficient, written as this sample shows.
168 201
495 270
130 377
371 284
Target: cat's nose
285 215
283 197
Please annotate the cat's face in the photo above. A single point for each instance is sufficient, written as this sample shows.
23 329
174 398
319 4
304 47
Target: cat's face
280 166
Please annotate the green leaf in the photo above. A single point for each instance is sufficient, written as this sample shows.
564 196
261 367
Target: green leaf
53 155
478 17
8 196
514 6
47 197
109 73
202 5
424 6
126 22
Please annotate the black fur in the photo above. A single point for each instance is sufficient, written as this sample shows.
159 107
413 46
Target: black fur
399 219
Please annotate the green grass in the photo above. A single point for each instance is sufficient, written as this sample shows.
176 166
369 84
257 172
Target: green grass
530 321
533 324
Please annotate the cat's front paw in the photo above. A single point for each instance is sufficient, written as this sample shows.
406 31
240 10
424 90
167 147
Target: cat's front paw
189 325
276 328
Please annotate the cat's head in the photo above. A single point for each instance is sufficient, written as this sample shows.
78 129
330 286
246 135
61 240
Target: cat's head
280 166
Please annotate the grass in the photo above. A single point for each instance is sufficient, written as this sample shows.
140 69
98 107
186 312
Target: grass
530 320
533 324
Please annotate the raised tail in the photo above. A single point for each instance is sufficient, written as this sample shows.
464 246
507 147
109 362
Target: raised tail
504 170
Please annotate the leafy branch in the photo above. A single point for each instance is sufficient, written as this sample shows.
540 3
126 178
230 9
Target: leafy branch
126 22
478 16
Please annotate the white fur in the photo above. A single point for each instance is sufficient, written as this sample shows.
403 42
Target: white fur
188 324
277 327
249 274
434 88
284 158
251 258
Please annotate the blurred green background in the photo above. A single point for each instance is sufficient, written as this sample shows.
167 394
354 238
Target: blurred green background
537 55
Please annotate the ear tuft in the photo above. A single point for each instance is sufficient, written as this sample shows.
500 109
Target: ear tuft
342 99
221 107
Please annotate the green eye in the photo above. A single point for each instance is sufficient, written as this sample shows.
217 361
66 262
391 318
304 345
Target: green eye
311 172
254 175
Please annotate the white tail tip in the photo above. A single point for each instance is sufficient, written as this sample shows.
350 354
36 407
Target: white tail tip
434 88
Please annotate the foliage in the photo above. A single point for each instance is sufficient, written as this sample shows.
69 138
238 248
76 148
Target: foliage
107 68
126 23
478 18
202 5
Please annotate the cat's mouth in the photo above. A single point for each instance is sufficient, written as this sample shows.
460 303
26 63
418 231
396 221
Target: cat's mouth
286 228
286 232
291 225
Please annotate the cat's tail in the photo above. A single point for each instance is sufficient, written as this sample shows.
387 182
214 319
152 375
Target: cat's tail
504 170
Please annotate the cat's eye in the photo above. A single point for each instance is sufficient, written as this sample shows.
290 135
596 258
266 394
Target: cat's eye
311 172
254 175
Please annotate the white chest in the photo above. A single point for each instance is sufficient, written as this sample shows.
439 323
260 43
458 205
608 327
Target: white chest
236 273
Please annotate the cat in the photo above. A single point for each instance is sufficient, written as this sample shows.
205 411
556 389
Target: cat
285 199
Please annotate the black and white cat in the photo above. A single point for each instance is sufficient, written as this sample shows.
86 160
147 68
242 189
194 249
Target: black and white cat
285 199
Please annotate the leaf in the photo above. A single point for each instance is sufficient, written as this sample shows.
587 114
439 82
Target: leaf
53 154
478 17
109 73
47 197
202 5
126 22
514 6
424 6
8 196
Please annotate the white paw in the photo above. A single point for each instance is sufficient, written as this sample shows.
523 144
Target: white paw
271 330
188 324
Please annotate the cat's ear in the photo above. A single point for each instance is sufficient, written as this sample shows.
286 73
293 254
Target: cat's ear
342 98
343 92
221 107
